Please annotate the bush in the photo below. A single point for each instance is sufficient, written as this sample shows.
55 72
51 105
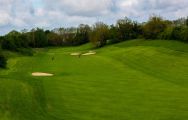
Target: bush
25 51
178 33
167 34
185 34
3 61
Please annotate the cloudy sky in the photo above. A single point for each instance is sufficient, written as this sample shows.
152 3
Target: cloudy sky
48 14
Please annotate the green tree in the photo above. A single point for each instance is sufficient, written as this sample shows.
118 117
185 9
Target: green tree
11 41
37 38
154 27
99 34
82 34
40 38
124 27
54 39
127 29
15 40
113 35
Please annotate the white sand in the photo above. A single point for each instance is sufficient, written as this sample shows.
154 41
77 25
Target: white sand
75 54
85 54
41 74
89 53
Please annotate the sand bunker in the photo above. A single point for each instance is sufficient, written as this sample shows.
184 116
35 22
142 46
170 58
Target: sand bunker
41 74
75 54
84 54
89 53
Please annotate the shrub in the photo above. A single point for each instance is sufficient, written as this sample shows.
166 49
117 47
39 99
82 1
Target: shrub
185 34
178 33
167 34
3 61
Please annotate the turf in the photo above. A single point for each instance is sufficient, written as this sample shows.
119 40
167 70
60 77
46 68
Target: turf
133 80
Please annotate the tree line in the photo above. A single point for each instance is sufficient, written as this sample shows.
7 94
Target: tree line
98 34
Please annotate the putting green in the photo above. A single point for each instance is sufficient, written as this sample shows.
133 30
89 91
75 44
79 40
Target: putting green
133 80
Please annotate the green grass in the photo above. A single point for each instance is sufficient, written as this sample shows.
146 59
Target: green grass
133 80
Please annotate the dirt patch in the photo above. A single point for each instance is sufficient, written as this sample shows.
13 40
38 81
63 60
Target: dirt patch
37 74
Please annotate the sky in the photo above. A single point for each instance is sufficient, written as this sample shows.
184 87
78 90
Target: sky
49 14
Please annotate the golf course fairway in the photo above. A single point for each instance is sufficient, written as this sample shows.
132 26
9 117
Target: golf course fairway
133 80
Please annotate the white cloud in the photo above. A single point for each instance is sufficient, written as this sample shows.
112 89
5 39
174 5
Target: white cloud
20 14
4 18
128 3
81 7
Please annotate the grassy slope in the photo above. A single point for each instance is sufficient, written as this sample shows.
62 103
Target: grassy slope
132 80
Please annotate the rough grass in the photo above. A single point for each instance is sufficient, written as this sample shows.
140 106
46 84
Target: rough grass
134 80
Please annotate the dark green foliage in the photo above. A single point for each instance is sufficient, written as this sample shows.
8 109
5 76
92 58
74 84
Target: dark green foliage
124 27
54 39
25 51
69 39
127 29
39 38
18 42
113 33
15 40
82 35
187 21
180 33
186 34
3 61
176 33
11 41
154 27
167 34
99 35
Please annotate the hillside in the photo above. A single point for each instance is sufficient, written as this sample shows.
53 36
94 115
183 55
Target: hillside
133 80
